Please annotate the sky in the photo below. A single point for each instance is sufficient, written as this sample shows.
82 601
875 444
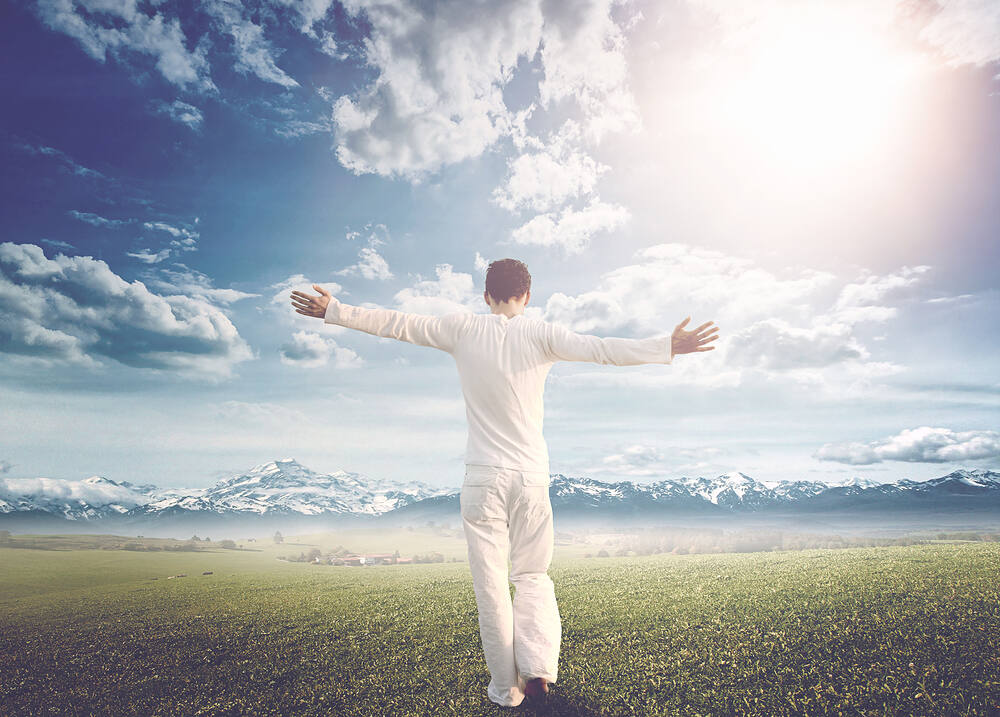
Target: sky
820 180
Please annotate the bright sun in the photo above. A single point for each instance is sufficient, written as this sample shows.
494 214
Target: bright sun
812 93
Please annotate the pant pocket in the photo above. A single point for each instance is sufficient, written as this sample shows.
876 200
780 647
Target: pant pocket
479 503
534 478
481 475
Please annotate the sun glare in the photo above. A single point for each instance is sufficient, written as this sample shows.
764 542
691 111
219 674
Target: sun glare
811 94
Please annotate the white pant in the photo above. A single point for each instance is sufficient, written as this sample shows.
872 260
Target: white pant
507 513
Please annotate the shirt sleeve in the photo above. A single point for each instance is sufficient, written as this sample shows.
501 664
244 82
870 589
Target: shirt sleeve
564 345
439 332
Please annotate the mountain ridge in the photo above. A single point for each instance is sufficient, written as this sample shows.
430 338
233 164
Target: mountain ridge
286 488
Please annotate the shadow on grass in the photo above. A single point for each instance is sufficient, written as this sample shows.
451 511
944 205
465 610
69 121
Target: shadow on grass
555 704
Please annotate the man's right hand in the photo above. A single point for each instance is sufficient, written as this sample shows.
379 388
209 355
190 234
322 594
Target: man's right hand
309 305
686 342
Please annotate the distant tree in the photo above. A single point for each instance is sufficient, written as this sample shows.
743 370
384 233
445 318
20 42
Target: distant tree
195 537
207 540
602 553
228 544
278 537
4 536
312 554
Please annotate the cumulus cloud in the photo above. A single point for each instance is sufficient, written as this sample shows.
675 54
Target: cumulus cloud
311 13
583 52
917 445
254 53
775 344
541 181
635 460
438 96
95 220
184 239
803 324
181 112
371 265
94 491
76 310
451 291
310 350
119 28
571 229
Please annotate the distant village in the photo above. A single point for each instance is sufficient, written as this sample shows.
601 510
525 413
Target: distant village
341 556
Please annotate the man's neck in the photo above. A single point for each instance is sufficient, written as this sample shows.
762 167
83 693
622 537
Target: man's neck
509 311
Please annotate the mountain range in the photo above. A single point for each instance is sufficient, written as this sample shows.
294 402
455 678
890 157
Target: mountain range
284 491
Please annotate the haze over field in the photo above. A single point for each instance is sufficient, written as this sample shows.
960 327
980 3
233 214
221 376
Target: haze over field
819 179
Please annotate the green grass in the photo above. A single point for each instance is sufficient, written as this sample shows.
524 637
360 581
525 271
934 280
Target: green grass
886 630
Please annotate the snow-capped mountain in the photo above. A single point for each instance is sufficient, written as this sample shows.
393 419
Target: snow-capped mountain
89 499
287 489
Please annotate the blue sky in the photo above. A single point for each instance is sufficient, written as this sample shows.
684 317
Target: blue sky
820 182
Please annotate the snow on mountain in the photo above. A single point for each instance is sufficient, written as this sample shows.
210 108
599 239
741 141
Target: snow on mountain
287 488
88 499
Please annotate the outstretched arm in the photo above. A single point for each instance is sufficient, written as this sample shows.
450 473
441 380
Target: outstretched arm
440 332
565 345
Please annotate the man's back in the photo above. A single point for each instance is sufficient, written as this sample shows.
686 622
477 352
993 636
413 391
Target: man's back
502 362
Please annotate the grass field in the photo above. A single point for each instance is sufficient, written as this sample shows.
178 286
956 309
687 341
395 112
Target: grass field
884 630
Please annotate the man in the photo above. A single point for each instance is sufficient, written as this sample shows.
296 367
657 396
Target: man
503 359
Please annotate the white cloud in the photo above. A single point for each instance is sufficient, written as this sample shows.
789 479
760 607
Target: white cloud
66 162
105 27
310 350
774 344
438 96
635 460
76 310
261 412
184 239
147 257
917 445
371 265
96 220
583 52
181 112
451 291
312 13
967 31
58 243
481 265
571 229
544 180
299 282
800 326
254 54
191 282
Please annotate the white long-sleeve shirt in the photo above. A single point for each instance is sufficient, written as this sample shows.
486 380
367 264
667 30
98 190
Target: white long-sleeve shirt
502 364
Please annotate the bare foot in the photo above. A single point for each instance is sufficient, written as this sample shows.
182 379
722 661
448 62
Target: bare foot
536 689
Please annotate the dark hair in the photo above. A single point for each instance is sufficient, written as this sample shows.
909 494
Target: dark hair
506 279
